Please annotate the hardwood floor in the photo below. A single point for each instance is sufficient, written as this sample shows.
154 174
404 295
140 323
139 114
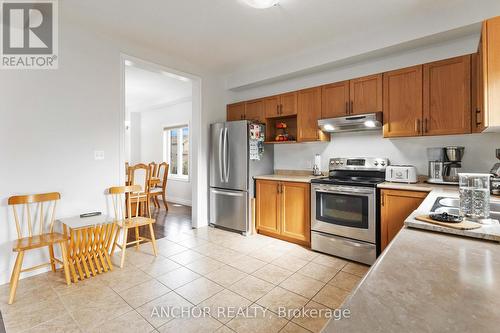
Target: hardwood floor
174 221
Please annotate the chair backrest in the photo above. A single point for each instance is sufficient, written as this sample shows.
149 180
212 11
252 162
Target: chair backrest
163 173
153 168
140 174
127 165
123 197
38 220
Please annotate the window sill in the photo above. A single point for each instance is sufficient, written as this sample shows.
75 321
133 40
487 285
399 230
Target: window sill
176 178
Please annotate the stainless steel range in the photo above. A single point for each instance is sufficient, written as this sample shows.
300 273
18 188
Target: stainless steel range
344 214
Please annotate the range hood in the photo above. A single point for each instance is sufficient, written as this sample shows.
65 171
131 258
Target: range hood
364 122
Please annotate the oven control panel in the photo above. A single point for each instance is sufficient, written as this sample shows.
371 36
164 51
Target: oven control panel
359 163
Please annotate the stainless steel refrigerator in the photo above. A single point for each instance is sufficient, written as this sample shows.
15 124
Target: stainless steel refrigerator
234 161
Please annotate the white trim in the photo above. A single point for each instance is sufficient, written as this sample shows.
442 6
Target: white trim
199 212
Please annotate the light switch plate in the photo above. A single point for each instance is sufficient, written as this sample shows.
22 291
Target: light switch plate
98 155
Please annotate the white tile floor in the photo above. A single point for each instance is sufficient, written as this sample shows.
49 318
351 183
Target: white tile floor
202 270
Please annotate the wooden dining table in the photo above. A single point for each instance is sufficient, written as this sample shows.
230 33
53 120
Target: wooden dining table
90 240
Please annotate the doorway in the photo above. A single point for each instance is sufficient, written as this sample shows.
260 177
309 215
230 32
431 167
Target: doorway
160 108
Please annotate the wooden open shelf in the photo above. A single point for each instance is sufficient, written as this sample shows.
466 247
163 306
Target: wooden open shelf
272 131
280 142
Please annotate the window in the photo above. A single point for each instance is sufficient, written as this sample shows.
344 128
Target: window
176 151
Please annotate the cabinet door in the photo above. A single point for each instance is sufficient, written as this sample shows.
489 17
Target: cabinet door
477 93
366 94
296 212
491 72
308 113
236 111
272 107
403 102
447 96
255 110
396 206
335 100
288 104
267 209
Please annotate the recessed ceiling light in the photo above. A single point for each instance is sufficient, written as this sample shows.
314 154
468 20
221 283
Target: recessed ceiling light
261 4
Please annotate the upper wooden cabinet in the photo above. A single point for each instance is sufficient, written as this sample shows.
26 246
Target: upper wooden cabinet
447 96
255 110
487 104
308 114
366 94
272 106
478 116
282 210
281 105
289 104
335 100
236 111
396 206
403 102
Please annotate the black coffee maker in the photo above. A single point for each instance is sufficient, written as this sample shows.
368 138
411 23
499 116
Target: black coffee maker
495 176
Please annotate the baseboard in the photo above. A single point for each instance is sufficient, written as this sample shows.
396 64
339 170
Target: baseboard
180 201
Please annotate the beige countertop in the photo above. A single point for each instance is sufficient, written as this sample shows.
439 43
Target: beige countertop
420 186
427 282
288 178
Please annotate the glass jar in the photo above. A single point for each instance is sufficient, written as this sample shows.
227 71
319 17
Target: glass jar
475 195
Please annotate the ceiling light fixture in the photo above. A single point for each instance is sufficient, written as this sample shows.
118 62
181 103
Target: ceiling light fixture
261 4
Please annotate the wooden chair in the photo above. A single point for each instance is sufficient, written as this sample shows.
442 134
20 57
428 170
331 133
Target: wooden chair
140 175
39 236
161 189
124 196
153 167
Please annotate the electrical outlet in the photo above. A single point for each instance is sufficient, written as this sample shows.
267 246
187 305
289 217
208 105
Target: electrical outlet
98 155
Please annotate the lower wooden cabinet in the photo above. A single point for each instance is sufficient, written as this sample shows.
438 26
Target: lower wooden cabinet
396 206
283 210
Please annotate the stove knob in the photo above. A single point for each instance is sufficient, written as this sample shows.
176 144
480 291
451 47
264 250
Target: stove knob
337 162
376 163
382 163
341 163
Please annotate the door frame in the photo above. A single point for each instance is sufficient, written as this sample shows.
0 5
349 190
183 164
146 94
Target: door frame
196 162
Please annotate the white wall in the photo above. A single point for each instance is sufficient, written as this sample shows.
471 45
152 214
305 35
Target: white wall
152 124
134 135
51 121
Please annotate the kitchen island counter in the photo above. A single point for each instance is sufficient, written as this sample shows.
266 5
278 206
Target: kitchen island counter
427 282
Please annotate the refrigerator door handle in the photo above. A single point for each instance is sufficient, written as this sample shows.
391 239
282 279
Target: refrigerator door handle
229 194
221 132
226 155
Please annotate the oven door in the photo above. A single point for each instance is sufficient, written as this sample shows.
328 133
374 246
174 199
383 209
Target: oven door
346 211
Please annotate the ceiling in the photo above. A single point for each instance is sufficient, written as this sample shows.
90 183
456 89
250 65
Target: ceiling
145 89
227 35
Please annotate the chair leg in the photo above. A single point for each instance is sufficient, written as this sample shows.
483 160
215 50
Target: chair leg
124 246
153 239
164 200
15 276
52 261
64 252
115 241
137 238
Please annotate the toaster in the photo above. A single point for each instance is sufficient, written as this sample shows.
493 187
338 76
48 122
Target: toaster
401 174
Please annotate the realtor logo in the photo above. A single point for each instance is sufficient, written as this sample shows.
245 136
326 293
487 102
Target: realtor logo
29 34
